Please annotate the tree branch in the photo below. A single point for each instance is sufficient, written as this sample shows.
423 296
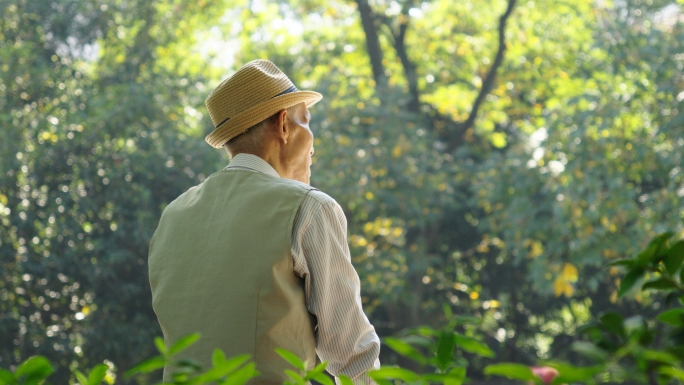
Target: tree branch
372 43
488 82
398 41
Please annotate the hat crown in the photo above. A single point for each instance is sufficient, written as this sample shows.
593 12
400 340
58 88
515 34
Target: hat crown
254 83
255 92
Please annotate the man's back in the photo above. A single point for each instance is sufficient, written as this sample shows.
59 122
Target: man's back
221 264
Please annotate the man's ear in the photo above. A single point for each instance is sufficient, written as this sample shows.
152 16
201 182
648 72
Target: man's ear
281 127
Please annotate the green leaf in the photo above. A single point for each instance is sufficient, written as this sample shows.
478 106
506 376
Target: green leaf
97 374
418 340
222 368
7 378
82 379
294 376
344 380
661 241
674 317
445 349
34 370
622 262
465 320
455 377
320 368
674 257
405 349
630 280
422 331
473 346
660 356
291 358
510 371
323 379
447 311
218 357
662 283
146 366
654 250
572 374
161 347
393 373
589 350
672 372
183 343
242 375
612 321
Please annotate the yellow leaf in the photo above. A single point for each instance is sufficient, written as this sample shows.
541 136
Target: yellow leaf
396 152
569 272
537 249
499 140
562 287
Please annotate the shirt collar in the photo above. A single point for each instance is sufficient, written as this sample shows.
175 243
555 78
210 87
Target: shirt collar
252 162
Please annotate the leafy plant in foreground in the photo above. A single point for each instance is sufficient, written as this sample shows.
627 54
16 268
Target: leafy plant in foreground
33 371
435 349
631 348
622 348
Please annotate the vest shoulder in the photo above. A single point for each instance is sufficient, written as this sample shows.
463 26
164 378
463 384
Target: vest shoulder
191 191
322 198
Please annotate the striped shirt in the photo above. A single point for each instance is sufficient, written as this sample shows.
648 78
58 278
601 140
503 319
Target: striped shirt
344 336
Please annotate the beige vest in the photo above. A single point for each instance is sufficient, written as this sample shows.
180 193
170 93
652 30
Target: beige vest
221 265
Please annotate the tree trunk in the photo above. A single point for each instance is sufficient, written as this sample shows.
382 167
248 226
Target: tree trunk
372 43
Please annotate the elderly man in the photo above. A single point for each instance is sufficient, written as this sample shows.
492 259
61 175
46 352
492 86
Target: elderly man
254 258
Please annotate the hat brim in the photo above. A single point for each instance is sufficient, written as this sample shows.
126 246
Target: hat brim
246 119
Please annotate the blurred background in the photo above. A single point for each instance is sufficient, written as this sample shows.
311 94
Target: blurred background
495 182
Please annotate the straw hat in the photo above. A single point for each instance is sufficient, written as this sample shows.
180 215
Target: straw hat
256 91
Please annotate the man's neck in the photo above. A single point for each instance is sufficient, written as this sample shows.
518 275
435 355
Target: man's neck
272 160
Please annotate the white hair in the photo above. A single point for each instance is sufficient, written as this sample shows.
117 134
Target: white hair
252 139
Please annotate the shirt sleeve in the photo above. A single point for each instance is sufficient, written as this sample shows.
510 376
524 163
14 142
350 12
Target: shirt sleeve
345 338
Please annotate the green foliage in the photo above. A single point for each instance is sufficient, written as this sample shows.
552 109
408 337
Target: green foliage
621 348
303 376
633 348
234 371
511 371
437 350
33 371
96 376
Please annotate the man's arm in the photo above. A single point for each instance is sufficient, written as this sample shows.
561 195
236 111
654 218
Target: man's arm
345 337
